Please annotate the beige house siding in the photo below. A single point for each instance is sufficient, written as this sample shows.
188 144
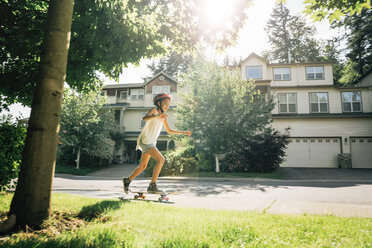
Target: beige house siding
303 98
254 61
327 127
298 76
367 100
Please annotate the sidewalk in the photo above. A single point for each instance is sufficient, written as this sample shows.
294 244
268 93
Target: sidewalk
293 174
116 171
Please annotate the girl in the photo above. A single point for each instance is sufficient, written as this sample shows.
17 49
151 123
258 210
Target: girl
146 142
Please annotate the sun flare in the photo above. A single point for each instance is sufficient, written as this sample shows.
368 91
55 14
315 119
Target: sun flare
217 12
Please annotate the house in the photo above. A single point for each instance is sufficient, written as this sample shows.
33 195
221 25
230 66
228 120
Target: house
131 102
325 120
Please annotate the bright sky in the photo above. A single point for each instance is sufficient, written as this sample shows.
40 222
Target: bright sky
253 38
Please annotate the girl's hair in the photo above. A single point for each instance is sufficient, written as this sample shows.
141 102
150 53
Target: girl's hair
159 97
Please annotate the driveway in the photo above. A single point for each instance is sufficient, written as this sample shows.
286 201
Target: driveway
331 192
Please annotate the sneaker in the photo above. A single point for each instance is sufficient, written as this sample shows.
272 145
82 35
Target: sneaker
126 183
153 189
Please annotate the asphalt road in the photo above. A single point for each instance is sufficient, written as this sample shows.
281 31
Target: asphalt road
340 198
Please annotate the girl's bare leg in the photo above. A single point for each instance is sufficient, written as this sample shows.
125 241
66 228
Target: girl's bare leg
144 161
154 152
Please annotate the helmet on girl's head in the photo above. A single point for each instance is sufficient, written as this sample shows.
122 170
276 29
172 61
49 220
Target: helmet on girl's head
160 97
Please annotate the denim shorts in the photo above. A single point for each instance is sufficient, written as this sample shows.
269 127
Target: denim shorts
145 147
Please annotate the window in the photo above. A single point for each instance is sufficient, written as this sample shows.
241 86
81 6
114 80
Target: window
282 74
123 95
160 89
142 122
315 72
137 94
254 72
319 102
351 101
103 93
287 103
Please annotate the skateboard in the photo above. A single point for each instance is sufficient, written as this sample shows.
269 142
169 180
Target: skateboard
140 195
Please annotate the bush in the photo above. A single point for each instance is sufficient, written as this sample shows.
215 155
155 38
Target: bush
12 138
262 153
205 161
177 162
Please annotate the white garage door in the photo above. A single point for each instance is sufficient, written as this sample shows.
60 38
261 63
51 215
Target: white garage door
313 152
361 152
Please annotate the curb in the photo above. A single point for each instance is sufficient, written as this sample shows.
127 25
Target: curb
254 179
222 179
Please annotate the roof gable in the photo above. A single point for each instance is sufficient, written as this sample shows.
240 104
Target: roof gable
255 56
171 79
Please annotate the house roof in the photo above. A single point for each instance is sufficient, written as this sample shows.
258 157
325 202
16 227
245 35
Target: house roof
138 85
279 64
115 86
361 83
303 63
161 73
254 55
322 115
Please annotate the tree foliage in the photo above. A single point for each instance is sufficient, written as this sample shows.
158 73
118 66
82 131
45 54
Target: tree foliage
291 38
358 37
334 9
173 64
12 138
220 109
86 124
228 116
106 36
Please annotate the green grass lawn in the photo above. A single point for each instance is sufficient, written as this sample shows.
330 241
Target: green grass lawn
88 222
64 169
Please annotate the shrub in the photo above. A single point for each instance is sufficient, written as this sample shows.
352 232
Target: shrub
12 138
177 162
262 153
205 161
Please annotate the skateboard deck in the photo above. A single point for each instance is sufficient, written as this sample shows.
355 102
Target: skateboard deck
141 195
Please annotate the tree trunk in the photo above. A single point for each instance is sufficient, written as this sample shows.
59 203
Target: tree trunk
78 159
31 201
217 163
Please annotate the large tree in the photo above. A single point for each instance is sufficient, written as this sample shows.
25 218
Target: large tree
31 201
290 37
106 36
86 127
150 31
358 39
220 109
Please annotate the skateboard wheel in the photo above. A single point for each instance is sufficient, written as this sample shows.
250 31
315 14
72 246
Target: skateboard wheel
160 199
166 198
136 197
143 196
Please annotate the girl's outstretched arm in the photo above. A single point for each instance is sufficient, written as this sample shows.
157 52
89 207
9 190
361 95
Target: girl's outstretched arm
170 131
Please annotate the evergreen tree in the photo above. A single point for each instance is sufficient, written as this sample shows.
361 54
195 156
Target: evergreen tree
291 39
332 53
173 64
359 40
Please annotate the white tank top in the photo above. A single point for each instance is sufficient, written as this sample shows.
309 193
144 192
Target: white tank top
150 132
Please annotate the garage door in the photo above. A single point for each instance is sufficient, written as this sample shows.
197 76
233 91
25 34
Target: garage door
361 152
313 152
